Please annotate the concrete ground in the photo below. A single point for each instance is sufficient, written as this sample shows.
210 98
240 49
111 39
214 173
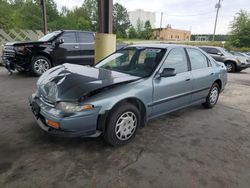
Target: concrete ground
193 147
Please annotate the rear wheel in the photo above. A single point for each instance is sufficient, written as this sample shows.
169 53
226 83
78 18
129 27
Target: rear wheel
122 124
230 67
39 65
212 97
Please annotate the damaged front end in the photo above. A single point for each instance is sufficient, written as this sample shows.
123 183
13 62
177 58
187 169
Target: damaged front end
61 98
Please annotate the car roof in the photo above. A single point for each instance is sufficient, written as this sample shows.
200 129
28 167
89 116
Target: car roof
209 47
160 45
68 30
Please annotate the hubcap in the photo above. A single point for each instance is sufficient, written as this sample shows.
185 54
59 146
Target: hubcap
229 67
214 95
41 65
125 126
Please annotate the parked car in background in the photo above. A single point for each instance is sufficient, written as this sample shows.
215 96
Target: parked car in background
125 90
242 56
248 54
58 47
233 63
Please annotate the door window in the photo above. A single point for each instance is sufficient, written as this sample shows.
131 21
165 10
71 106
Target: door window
177 59
197 59
84 37
214 51
69 37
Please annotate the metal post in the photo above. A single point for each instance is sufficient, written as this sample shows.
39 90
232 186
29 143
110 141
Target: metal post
105 41
45 26
105 17
218 6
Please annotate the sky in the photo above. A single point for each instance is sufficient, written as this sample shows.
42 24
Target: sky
195 15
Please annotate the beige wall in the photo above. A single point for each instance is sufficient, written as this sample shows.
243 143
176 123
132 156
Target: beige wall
173 34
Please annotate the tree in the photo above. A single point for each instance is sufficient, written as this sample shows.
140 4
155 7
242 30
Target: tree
91 9
27 15
74 19
132 33
240 30
52 14
139 28
6 15
147 33
120 20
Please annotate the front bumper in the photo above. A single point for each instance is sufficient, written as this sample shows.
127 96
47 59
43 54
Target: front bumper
244 66
14 61
80 124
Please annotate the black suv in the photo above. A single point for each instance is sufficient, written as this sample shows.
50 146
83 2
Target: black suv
53 49
233 63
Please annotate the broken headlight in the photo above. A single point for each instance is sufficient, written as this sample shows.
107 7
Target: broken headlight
70 107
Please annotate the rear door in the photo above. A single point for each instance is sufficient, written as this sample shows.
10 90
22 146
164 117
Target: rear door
171 93
69 51
87 48
202 73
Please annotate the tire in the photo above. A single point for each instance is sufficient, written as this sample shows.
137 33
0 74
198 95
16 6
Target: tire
122 124
230 67
39 65
212 97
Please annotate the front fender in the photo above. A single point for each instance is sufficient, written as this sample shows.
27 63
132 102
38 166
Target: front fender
141 90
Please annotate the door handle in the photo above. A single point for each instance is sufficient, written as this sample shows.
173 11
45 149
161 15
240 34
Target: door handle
188 79
76 47
212 73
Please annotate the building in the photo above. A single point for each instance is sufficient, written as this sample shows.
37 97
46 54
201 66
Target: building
171 34
141 15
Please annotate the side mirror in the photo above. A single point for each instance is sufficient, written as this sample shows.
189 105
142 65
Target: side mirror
168 72
219 53
59 41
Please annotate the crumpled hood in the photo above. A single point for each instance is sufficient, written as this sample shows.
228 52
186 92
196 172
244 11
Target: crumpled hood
70 82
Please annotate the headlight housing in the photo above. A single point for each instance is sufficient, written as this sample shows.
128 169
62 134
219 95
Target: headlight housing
20 48
70 107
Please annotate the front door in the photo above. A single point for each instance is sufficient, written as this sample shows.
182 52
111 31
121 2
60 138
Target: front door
171 93
69 51
216 54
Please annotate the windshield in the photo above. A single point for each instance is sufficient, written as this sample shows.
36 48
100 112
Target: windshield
134 61
49 36
225 52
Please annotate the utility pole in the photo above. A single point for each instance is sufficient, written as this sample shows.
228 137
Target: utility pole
45 26
218 6
160 25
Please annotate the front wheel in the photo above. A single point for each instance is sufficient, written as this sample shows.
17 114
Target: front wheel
212 97
230 67
122 124
39 65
